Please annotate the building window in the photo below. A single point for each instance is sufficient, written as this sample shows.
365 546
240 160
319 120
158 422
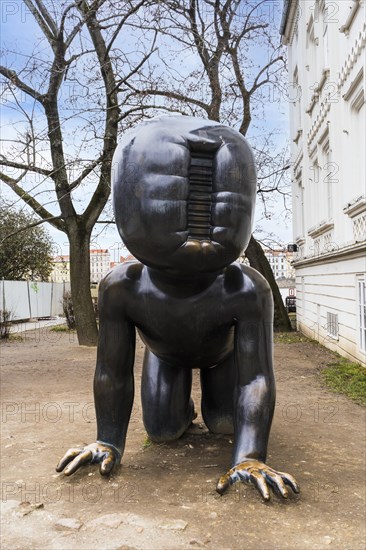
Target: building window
332 325
296 102
330 170
326 17
359 227
362 312
299 206
312 42
317 246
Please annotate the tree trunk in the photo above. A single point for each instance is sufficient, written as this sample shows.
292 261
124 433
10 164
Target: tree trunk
86 326
258 261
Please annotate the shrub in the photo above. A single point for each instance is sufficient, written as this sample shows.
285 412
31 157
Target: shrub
68 310
5 323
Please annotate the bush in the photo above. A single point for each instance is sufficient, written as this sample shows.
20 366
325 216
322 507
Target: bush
68 310
5 323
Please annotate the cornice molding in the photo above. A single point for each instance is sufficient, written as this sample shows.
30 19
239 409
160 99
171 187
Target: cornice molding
323 111
289 21
355 207
300 240
352 57
298 136
322 227
348 65
347 25
348 252
297 163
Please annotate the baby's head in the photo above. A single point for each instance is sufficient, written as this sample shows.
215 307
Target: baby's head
184 193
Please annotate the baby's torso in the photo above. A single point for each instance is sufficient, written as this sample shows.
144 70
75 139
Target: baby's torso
186 323
183 327
197 332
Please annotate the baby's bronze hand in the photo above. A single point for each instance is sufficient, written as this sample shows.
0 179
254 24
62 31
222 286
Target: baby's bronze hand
261 475
97 452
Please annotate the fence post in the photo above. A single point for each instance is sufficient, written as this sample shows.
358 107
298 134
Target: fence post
51 304
3 294
29 301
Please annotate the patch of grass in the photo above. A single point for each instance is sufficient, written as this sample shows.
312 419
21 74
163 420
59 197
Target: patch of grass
347 378
16 338
61 328
290 338
147 442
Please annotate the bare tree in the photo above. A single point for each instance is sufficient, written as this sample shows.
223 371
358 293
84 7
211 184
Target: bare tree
101 66
67 114
235 52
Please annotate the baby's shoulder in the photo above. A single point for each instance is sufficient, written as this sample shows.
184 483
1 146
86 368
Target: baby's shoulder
244 279
125 276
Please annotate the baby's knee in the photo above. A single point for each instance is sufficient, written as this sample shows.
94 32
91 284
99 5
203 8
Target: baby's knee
218 424
159 434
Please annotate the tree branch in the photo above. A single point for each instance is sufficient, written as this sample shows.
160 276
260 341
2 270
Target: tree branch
27 167
172 95
275 172
32 202
122 22
200 45
85 173
102 191
45 14
14 79
269 64
42 21
142 108
138 67
35 224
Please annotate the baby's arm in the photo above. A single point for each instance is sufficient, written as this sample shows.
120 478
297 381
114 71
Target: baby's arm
113 384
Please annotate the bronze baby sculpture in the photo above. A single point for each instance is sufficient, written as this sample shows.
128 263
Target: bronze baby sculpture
184 193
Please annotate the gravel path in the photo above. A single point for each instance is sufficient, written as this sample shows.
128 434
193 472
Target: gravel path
163 496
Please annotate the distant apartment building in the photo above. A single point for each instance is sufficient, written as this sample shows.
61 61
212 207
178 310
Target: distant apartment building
60 269
99 264
327 72
281 262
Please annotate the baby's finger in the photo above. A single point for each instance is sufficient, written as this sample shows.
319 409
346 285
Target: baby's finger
83 458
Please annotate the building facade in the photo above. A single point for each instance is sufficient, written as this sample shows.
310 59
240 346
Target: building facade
60 269
281 262
327 72
99 264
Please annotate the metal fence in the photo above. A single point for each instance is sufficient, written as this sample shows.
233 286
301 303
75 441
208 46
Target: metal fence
32 300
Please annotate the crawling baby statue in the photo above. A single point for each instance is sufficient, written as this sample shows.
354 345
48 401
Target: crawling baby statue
184 191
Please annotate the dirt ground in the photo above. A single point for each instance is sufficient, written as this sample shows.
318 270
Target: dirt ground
163 496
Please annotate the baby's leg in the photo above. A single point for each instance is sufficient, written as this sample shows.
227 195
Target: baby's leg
217 386
165 393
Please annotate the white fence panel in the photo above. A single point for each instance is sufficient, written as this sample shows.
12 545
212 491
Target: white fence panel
56 301
14 298
40 299
30 299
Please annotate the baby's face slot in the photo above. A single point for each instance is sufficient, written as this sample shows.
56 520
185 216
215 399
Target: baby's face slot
200 189
187 205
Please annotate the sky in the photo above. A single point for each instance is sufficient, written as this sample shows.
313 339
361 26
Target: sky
19 33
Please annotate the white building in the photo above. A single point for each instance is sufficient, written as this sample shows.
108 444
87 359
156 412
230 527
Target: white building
99 264
60 269
281 262
327 71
